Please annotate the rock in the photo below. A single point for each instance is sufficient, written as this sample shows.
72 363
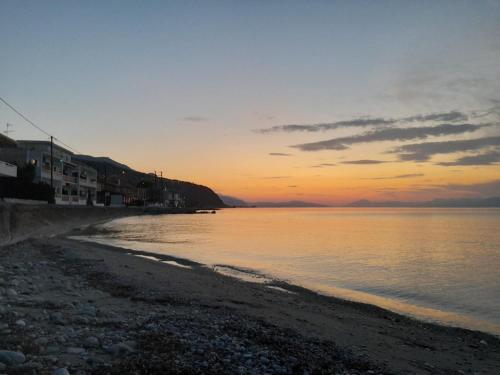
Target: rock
131 343
41 341
91 342
52 349
81 320
57 318
61 371
11 292
87 309
483 342
75 350
31 366
2 367
120 349
21 323
10 358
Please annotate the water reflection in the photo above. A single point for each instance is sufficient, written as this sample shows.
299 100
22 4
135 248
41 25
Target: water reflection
434 263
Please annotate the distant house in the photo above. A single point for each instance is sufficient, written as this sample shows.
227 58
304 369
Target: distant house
74 183
174 199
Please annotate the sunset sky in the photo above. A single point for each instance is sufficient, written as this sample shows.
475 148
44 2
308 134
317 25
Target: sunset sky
323 101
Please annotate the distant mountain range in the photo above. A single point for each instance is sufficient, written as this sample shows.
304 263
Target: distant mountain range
456 202
233 201
288 204
236 202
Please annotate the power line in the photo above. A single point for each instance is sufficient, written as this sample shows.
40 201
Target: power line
36 126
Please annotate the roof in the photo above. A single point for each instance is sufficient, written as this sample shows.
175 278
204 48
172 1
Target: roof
6 141
24 142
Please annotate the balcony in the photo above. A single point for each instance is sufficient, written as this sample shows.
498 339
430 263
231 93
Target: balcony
69 178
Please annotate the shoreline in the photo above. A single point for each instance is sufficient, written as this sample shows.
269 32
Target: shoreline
245 275
360 338
425 314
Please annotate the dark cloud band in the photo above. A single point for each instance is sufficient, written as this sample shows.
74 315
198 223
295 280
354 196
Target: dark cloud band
452 116
487 158
409 175
364 162
389 134
424 151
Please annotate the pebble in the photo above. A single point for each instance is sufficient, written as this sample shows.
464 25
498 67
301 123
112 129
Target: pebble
61 371
73 350
87 309
10 358
41 341
120 349
79 331
92 342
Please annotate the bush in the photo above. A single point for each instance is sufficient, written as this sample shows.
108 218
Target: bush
11 187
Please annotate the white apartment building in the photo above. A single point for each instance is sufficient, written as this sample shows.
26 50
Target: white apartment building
74 183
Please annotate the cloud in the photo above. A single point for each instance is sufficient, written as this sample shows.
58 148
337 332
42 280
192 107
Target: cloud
322 165
409 175
195 119
292 186
448 190
274 177
364 161
487 158
452 116
389 134
360 122
424 151
489 188
279 154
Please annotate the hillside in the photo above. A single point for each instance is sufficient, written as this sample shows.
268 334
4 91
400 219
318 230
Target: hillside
124 176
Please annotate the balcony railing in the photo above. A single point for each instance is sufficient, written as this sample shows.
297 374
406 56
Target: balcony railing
69 178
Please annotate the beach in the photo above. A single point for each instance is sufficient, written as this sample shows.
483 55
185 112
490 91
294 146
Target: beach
82 307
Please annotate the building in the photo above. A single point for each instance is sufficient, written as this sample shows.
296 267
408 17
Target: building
74 182
7 169
174 200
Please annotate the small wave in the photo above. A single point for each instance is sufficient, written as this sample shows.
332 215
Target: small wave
243 274
169 262
280 289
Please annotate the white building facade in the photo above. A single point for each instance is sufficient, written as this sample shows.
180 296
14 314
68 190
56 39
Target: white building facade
74 183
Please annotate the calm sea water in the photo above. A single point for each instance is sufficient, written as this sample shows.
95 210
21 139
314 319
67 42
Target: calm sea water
436 264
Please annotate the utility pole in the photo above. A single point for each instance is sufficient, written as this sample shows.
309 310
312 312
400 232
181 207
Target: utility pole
52 162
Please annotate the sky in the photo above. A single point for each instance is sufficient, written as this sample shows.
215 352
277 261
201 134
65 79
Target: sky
323 101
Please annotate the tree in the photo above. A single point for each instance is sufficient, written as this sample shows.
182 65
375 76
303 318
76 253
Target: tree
26 174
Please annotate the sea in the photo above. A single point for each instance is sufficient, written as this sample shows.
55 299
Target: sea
436 264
